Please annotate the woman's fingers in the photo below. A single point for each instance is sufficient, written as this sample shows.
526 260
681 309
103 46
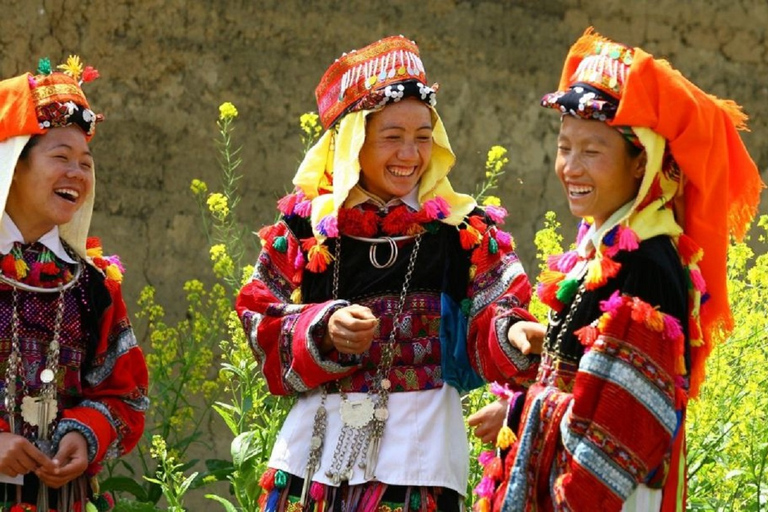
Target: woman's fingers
351 329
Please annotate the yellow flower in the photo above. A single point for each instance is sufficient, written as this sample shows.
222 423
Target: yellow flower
158 449
218 205
492 201
247 274
227 111
496 153
309 123
224 266
217 251
198 187
73 67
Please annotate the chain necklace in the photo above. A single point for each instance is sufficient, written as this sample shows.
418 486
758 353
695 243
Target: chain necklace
564 324
40 411
363 420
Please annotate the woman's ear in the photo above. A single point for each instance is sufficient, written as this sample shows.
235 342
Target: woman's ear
640 162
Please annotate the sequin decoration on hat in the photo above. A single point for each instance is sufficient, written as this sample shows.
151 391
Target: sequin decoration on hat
387 70
593 89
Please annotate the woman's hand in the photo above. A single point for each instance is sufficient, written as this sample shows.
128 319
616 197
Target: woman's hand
527 337
350 330
489 420
70 461
18 456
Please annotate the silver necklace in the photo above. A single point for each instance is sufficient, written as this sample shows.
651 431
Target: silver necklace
37 411
363 420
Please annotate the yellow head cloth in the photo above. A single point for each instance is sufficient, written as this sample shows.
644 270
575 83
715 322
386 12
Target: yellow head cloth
331 169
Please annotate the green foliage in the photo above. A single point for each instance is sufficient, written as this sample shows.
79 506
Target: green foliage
169 475
472 402
728 424
182 389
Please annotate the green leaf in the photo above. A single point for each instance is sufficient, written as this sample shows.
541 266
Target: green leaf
134 506
124 484
229 507
228 418
186 483
242 448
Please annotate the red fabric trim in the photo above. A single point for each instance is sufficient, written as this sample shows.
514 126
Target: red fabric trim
483 345
275 325
128 381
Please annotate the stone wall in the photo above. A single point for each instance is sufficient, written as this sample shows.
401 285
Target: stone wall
167 65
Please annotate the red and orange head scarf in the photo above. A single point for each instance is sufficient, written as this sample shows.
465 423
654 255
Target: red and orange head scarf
701 186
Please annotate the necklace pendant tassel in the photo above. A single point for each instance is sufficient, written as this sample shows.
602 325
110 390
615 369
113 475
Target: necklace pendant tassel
42 497
310 471
372 457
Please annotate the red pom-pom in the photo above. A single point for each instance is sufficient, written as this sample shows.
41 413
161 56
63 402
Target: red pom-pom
609 267
90 74
267 480
317 491
495 469
468 238
9 266
397 221
476 222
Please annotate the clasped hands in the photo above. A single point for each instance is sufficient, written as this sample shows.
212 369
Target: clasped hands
350 330
18 456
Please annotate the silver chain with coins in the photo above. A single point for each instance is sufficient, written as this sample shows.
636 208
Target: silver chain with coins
363 420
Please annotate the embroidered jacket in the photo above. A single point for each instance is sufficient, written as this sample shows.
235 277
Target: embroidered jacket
607 412
102 376
456 316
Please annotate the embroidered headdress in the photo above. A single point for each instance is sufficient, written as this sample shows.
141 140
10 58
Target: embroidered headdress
31 105
357 84
698 197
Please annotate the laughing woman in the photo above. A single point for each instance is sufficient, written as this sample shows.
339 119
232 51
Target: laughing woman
658 173
74 381
379 296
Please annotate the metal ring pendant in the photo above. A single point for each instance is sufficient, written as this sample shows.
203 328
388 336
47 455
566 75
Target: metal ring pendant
392 254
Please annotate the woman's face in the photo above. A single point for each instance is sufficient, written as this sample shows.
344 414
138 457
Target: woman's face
397 148
597 172
51 183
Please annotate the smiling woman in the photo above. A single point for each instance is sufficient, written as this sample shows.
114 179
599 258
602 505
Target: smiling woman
597 168
53 178
379 296
75 380
397 149
639 303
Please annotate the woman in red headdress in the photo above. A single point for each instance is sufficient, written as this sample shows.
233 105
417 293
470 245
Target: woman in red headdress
656 170
74 380
379 296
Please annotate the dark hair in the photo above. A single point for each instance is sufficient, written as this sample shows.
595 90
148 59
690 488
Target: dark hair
31 143
632 149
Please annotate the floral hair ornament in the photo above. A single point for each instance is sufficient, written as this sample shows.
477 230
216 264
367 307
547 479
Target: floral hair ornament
31 105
